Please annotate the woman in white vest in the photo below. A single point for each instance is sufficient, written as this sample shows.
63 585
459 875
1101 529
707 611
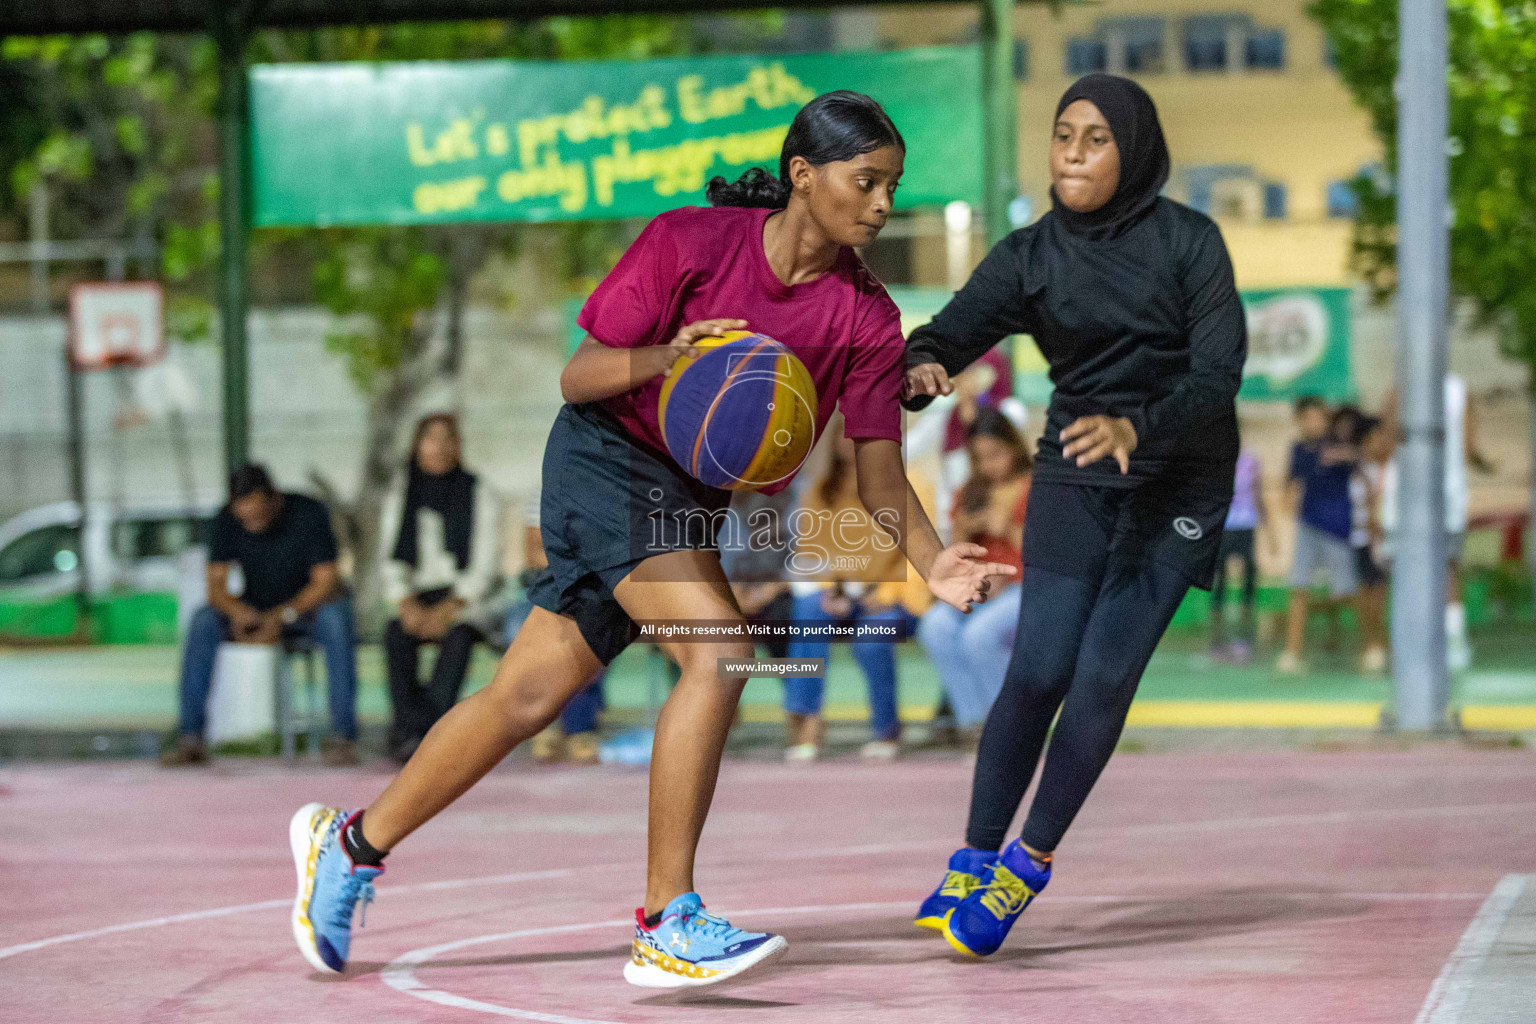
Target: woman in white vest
439 555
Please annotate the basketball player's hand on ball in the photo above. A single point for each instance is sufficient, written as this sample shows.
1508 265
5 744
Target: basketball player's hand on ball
683 343
927 379
1091 438
961 577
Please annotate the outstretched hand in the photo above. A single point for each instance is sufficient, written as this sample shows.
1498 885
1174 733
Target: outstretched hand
959 576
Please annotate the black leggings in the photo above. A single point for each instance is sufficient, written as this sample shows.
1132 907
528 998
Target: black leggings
1081 647
416 707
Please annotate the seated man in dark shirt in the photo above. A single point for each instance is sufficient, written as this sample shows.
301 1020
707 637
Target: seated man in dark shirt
286 551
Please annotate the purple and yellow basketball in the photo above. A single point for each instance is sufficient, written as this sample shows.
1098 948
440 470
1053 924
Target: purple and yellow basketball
740 414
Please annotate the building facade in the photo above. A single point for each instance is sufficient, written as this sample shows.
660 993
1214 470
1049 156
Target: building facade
1264 135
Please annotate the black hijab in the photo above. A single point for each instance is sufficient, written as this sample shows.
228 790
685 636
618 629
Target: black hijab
452 496
1132 118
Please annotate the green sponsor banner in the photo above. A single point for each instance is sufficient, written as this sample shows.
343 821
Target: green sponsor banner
1298 344
438 142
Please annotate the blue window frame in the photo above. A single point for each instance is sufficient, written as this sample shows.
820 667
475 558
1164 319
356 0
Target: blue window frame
1274 201
1020 60
1199 180
1143 42
1342 201
1266 49
1205 42
1085 55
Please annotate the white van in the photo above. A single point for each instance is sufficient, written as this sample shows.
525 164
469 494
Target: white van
134 549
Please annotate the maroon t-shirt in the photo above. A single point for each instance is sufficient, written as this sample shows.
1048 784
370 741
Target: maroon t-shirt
701 263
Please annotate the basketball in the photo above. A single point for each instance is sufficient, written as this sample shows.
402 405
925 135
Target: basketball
740 414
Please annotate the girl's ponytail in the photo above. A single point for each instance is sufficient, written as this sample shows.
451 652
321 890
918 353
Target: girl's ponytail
832 127
755 188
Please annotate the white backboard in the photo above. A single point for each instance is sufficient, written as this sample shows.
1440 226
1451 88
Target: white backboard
116 324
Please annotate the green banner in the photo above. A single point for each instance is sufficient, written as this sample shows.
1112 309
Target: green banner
1298 344
437 142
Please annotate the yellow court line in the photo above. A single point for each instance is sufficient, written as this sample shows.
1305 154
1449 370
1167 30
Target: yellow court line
1499 717
1255 714
1224 714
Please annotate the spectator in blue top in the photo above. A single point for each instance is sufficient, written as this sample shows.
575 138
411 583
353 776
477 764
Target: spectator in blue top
1318 494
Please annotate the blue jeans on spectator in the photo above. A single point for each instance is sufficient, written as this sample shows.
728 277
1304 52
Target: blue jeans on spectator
876 660
581 711
329 626
971 652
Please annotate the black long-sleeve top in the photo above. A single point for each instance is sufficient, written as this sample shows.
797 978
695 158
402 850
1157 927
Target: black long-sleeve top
1147 326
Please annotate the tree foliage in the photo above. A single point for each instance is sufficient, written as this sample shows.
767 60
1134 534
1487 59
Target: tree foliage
123 132
119 130
1491 144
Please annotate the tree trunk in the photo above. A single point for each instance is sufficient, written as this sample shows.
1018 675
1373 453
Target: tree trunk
394 401
431 367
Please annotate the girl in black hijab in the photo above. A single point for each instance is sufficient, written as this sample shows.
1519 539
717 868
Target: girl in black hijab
1130 298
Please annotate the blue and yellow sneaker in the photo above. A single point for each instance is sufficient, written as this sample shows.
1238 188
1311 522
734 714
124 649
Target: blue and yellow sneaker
691 947
979 923
329 886
966 866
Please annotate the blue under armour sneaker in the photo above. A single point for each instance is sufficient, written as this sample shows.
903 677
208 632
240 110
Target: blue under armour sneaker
979 923
329 886
691 947
966 866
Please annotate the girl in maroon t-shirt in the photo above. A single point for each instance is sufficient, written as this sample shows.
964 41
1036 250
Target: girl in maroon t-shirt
775 255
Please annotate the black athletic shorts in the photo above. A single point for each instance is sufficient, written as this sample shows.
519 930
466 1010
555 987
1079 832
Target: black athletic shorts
608 504
1079 531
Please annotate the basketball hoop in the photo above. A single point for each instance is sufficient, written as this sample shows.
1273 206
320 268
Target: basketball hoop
116 324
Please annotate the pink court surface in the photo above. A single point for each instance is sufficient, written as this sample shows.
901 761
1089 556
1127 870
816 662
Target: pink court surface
1255 885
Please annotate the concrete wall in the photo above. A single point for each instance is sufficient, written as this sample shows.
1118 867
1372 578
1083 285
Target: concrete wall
307 416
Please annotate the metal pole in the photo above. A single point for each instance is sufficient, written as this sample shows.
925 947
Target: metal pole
37 236
1421 690
75 402
1000 103
234 147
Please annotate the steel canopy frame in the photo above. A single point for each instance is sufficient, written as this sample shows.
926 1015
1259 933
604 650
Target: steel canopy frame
43 17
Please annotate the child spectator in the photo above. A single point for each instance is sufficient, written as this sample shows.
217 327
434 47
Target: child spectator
1376 444
1244 520
1318 495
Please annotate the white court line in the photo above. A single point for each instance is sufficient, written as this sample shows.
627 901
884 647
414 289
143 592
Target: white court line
400 973
1448 995
1328 818
1320 818
131 926
243 908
